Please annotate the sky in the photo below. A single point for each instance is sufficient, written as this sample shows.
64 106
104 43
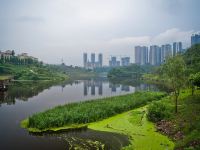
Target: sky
52 30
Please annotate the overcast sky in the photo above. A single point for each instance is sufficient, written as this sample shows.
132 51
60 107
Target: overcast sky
55 29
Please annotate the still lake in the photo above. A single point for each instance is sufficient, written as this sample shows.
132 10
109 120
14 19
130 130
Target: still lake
26 98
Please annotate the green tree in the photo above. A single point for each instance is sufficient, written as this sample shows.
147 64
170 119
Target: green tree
194 80
13 53
174 72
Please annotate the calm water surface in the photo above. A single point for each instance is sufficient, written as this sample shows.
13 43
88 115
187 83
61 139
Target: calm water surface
24 99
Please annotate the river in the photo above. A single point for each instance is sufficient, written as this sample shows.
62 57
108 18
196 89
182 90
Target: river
26 98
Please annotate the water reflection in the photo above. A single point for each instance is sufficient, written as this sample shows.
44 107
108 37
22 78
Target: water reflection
89 139
114 86
92 85
23 91
146 87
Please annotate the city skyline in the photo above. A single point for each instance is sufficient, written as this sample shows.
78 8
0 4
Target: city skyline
52 30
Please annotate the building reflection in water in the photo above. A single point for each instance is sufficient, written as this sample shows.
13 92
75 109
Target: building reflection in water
146 87
92 85
114 87
125 88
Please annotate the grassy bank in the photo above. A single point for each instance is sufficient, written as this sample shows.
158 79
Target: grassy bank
142 133
31 72
183 127
89 111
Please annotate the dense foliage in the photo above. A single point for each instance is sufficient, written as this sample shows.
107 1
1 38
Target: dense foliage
90 111
74 72
31 72
195 79
184 127
173 70
133 71
158 111
192 59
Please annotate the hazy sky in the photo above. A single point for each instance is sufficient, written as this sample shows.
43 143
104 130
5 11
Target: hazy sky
55 29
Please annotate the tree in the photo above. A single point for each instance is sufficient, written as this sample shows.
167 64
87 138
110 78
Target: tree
13 53
174 72
194 81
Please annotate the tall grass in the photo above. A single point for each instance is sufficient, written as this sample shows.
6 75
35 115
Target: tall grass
90 111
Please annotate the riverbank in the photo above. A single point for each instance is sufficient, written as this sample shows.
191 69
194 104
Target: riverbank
88 111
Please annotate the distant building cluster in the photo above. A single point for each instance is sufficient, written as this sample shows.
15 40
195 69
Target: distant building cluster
156 55
10 54
125 61
113 62
25 56
92 63
153 55
195 39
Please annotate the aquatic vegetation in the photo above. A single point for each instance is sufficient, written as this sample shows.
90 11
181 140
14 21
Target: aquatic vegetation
142 133
90 111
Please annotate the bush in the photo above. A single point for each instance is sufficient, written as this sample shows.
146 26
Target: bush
158 111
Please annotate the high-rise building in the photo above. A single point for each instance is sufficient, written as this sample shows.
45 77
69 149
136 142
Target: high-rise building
166 51
125 61
155 55
144 55
113 62
138 54
141 55
84 60
100 60
93 58
92 64
177 48
195 39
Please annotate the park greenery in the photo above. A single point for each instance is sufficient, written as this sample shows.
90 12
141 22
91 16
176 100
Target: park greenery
90 111
31 72
39 71
183 127
180 73
136 126
132 72
74 72
173 71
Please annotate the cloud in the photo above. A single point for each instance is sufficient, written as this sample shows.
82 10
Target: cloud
30 19
138 40
168 36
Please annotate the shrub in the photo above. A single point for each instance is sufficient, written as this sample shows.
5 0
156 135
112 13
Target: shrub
158 111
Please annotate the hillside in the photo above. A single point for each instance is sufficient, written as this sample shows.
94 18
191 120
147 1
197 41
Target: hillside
31 72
